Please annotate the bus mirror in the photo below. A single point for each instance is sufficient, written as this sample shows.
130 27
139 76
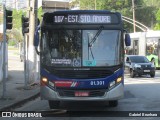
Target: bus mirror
36 37
127 39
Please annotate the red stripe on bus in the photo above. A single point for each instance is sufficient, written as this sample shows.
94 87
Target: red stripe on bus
63 83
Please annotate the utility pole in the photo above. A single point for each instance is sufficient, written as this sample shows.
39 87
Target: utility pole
95 3
4 50
133 8
25 48
31 51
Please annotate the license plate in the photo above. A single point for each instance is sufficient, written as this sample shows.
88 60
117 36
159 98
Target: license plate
146 70
81 94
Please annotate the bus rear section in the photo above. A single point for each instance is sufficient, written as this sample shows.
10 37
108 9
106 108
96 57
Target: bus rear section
82 57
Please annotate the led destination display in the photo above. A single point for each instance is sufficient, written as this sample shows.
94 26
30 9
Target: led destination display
87 18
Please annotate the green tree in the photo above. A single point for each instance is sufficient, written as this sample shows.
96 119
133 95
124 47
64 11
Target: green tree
17 15
16 33
40 13
122 6
157 25
145 10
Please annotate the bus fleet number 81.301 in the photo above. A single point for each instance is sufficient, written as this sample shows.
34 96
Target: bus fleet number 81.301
97 83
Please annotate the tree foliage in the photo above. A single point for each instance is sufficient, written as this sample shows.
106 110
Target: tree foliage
146 11
157 25
40 13
17 15
16 32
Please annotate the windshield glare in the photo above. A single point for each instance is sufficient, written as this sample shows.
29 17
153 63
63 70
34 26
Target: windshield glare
78 48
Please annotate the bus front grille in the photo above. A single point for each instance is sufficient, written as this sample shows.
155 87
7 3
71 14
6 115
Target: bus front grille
82 74
71 93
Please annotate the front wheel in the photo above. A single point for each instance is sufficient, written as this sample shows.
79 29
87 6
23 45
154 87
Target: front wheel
54 104
152 75
132 74
113 103
139 75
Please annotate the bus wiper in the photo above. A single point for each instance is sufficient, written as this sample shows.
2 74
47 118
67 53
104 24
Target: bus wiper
89 48
95 37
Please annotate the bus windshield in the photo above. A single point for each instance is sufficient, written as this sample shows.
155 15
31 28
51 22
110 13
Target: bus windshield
76 48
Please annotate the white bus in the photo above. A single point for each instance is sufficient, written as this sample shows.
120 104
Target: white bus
147 44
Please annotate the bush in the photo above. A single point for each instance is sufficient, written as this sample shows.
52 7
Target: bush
12 43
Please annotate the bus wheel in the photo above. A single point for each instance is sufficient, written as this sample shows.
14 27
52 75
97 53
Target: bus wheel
113 103
132 74
54 104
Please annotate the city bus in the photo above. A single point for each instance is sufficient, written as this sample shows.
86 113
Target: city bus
146 44
81 56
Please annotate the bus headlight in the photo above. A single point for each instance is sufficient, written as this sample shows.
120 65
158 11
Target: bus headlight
119 80
112 84
51 83
44 80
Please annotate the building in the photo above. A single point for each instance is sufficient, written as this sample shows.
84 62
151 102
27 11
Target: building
54 5
16 4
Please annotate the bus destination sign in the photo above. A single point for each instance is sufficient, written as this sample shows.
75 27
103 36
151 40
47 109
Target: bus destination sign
85 18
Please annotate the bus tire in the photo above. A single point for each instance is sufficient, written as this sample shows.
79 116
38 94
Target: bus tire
139 75
54 104
113 103
132 74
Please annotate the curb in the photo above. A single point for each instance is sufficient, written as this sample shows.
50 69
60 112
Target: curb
19 103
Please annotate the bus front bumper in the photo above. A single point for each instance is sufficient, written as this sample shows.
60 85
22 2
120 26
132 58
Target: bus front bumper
113 94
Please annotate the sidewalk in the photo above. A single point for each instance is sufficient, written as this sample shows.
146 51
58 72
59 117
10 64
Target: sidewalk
15 93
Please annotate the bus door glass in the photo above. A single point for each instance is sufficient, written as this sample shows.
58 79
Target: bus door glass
152 49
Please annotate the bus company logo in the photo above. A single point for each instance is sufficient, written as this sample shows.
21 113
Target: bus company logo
66 84
6 114
74 84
